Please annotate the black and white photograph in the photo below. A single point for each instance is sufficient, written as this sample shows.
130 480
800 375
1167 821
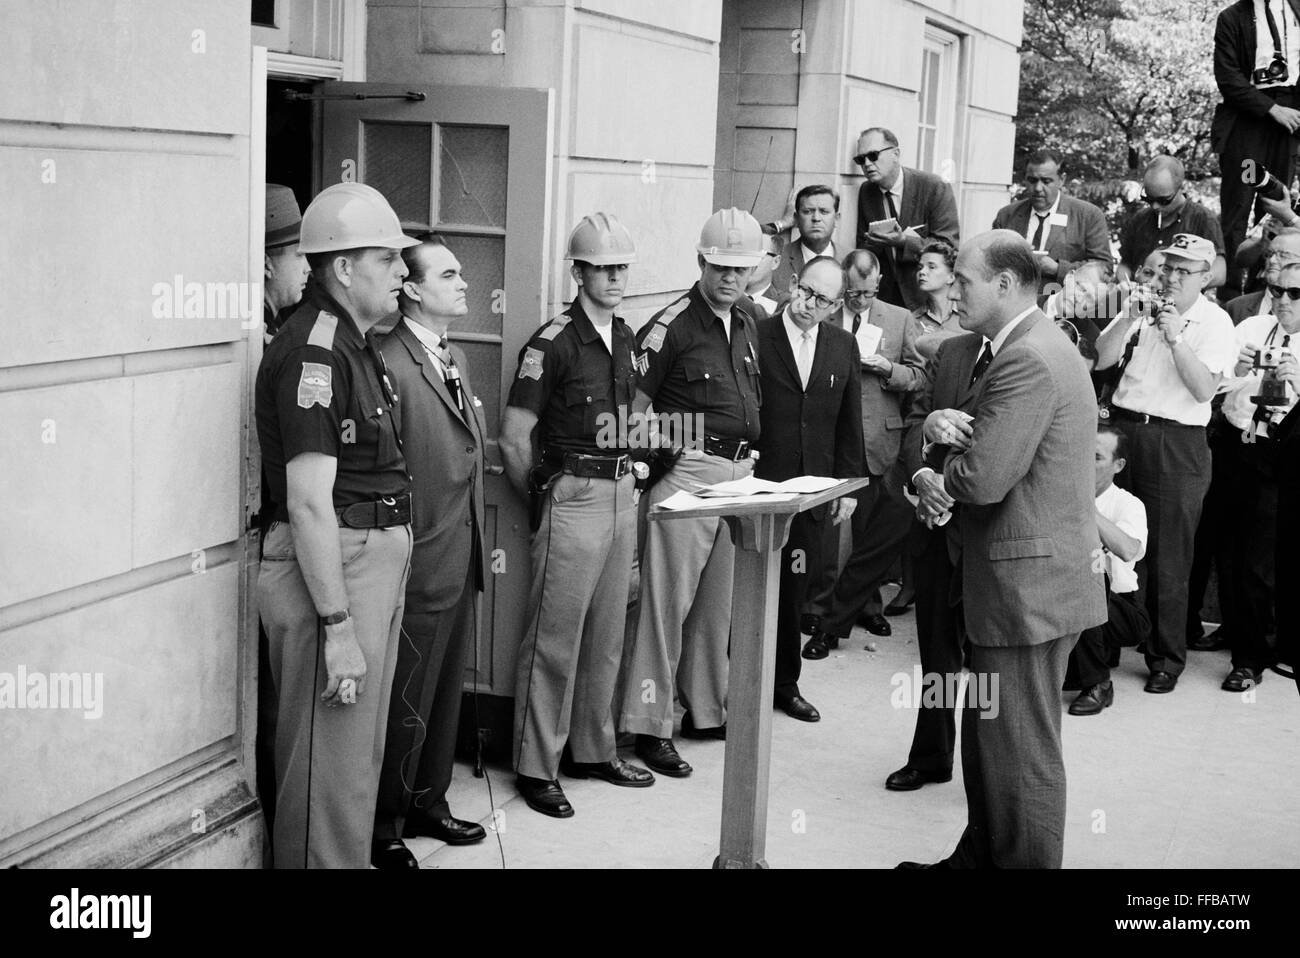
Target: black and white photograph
692 435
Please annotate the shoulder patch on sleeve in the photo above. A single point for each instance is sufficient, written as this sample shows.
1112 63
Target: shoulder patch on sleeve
530 367
322 331
315 385
672 311
654 339
554 327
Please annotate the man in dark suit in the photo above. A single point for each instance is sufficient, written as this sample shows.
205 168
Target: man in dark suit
1022 472
1064 232
1255 126
442 432
890 368
816 216
951 380
812 426
921 203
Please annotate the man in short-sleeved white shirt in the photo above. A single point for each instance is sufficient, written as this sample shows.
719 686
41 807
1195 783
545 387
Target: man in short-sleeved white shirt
1122 524
1267 345
1171 363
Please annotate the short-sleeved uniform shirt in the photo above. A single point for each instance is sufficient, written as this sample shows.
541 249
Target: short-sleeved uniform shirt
688 366
580 390
1146 231
321 388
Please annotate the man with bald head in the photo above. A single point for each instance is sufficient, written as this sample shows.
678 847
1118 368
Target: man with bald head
812 426
1169 211
1022 469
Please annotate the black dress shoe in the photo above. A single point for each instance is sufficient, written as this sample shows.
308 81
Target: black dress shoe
1240 679
452 831
661 756
908 779
1213 642
616 772
717 732
1161 682
912 866
816 647
1093 699
900 604
796 706
876 624
391 855
544 796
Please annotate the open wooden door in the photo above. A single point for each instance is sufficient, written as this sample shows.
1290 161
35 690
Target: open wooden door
475 164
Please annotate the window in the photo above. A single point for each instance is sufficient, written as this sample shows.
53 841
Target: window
937 107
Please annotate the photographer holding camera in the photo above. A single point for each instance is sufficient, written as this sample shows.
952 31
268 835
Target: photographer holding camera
1257 398
1171 360
1256 65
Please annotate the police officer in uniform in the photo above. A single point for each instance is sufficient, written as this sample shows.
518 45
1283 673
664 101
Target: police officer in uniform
698 360
284 267
336 558
574 389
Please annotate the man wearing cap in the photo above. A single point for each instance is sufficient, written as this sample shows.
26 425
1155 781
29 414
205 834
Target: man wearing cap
440 423
698 360
1171 361
574 390
284 267
335 561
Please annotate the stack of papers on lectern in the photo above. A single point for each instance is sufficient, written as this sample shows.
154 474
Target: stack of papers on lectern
747 490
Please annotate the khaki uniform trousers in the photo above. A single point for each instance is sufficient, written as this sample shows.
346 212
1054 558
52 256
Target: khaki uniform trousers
327 760
680 647
568 662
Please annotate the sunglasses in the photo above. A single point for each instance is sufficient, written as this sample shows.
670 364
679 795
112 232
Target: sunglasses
871 155
1158 200
817 298
1291 292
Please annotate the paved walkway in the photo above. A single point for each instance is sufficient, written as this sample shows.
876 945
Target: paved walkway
1194 779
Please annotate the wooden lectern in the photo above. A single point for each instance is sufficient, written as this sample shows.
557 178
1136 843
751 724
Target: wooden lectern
759 529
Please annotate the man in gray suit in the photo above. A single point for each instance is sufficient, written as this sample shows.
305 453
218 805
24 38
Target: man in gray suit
890 368
816 215
1022 471
442 432
1064 232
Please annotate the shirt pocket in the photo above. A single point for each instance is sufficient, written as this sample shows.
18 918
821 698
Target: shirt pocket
700 375
586 401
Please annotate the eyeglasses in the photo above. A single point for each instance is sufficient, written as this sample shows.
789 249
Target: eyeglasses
1179 271
871 155
861 293
1291 292
818 299
1158 200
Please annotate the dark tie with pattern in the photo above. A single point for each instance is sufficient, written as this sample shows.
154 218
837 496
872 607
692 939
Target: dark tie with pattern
981 364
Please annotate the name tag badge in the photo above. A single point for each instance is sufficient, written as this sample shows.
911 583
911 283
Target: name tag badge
1058 219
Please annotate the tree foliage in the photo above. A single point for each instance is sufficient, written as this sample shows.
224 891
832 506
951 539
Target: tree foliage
1112 84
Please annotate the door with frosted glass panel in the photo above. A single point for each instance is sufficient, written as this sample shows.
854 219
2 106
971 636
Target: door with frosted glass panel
474 164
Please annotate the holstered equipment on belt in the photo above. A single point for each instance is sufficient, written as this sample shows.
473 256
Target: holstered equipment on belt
379 514
540 478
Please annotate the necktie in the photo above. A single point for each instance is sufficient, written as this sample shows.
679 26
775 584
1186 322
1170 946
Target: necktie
804 360
1039 230
893 250
857 322
981 364
450 374
889 202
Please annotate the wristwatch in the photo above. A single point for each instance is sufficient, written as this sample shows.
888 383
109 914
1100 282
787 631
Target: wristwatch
1177 339
334 618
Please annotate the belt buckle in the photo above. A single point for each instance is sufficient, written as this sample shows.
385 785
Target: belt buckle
742 450
622 466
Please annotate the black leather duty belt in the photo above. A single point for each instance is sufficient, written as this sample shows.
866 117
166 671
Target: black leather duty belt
596 467
380 514
733 449
1128 415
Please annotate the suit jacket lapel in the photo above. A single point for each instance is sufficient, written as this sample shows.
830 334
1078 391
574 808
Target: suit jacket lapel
781 343
421 357
820 358
907 208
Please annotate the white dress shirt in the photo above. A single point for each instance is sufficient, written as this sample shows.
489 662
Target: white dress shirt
996 343
1126 511
795 335
1288 30
431 343
1237 390
1151 383
1032 226
809 254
